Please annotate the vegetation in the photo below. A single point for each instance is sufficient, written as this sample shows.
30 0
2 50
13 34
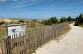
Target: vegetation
21 21
63 32
54 20
50 21
69 19
1 23
63 19
79 20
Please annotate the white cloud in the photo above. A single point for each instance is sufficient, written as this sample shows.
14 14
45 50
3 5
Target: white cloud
19 3
26 4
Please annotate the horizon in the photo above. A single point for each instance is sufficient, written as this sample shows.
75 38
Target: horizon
40 9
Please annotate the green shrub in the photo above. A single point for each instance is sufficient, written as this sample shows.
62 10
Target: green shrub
77 24
50 21
63 19
79 20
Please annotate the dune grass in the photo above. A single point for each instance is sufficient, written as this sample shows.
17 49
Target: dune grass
63 33
2 33
81 25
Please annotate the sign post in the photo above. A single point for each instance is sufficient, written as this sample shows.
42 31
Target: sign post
6 29
11 32
8 40
16 30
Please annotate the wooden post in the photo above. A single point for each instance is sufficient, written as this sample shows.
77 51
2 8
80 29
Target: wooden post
25 39
8 45
8 40
6 29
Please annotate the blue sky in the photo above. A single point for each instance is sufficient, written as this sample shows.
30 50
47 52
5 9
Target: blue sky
40 9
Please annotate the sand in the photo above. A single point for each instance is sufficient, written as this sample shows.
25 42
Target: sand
71 43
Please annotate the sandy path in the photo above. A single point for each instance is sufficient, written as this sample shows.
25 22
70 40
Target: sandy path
72 43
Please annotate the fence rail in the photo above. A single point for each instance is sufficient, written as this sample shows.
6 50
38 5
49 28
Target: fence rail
33 39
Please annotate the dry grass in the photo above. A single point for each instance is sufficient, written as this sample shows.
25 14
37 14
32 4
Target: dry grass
81 25
2 31
63 32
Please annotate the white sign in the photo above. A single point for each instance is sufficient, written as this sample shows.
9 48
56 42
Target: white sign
16 30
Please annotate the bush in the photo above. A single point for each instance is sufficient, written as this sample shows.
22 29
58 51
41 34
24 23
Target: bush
50 21
22 21
79 20
63 19
1 23
76 24
69 19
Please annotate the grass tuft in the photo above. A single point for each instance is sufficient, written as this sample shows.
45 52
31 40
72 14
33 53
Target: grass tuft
63 33
81 25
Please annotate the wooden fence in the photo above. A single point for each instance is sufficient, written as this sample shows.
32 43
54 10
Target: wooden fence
33 39
39 36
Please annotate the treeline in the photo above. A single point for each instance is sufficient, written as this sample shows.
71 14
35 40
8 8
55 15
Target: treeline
54 20
79 20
